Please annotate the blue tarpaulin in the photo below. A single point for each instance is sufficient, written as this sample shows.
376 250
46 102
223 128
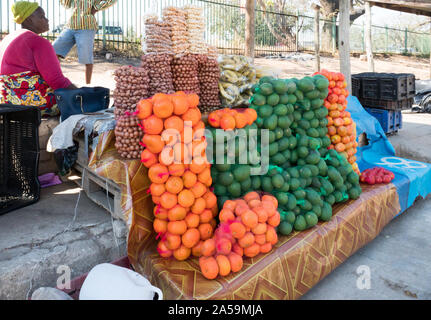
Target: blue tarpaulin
412 178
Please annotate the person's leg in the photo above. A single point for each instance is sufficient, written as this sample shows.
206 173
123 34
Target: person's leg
88 73
64 43
85 44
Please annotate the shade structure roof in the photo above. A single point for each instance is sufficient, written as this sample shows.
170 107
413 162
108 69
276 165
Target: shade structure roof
420 7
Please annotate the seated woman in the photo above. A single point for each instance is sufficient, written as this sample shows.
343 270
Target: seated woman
29 67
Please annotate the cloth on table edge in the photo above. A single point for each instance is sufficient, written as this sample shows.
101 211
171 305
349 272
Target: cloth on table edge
297 263
412 178
130 175
62 135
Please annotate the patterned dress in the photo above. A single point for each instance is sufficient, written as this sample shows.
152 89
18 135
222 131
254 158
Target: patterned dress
28 89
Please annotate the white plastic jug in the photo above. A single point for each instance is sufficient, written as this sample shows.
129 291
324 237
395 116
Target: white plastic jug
109 282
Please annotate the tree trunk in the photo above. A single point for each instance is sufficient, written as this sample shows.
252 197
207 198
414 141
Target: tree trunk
330 9
250 28
316 37
344 42
326 44
284 37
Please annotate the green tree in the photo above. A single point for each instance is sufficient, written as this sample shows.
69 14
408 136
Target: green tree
330 10
282 23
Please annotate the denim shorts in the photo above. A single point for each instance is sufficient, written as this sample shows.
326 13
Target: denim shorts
84 40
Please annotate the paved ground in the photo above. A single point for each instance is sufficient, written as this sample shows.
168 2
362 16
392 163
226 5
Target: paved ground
397 260
284 68
414 140
399 256
33 244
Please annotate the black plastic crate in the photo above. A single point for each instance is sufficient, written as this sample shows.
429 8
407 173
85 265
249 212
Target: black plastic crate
356 86
404 104
385 86
19 157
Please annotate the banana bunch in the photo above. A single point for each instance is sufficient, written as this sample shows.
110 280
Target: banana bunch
228 93
229 76
238 74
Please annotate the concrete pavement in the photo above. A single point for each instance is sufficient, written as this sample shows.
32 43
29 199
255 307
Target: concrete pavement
34 243
398 263
399 258
413 141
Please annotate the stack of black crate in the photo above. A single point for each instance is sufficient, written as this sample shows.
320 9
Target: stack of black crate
385 95
19 156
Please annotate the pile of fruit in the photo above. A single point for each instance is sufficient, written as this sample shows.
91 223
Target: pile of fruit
341 128
185 73
209 75
230 119
276 166
235 155
377 175
247 228
179 173
304 176
237 78
127 137
131 86
160 73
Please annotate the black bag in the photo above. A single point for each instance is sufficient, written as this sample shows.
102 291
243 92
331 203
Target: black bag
81 101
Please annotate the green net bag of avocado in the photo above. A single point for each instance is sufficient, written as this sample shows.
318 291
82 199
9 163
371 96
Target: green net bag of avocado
293 112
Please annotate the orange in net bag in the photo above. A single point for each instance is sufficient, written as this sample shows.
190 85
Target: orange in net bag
341 127
247 229
174 153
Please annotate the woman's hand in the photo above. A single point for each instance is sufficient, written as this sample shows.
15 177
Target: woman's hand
72 87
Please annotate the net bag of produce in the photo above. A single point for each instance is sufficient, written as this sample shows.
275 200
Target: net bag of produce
159 72
247 228
185 70
132 85
180 175
209 75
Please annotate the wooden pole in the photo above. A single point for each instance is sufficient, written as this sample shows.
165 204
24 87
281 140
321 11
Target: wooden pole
316 37
250 28
344 42
297 31
368 37
334 35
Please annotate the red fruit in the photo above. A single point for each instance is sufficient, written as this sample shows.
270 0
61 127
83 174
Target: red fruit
370 180
379 179
387 179
333 98
223 246
223 232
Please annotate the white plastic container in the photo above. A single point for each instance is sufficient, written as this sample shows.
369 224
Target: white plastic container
109 282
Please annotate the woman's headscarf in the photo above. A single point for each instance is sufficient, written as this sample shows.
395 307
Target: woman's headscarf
22 10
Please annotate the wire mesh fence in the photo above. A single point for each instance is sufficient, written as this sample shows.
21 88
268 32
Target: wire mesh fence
121 27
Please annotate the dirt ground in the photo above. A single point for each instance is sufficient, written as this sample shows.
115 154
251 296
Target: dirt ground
284 68
391 64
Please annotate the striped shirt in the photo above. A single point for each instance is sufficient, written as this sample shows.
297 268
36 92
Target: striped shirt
82 19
